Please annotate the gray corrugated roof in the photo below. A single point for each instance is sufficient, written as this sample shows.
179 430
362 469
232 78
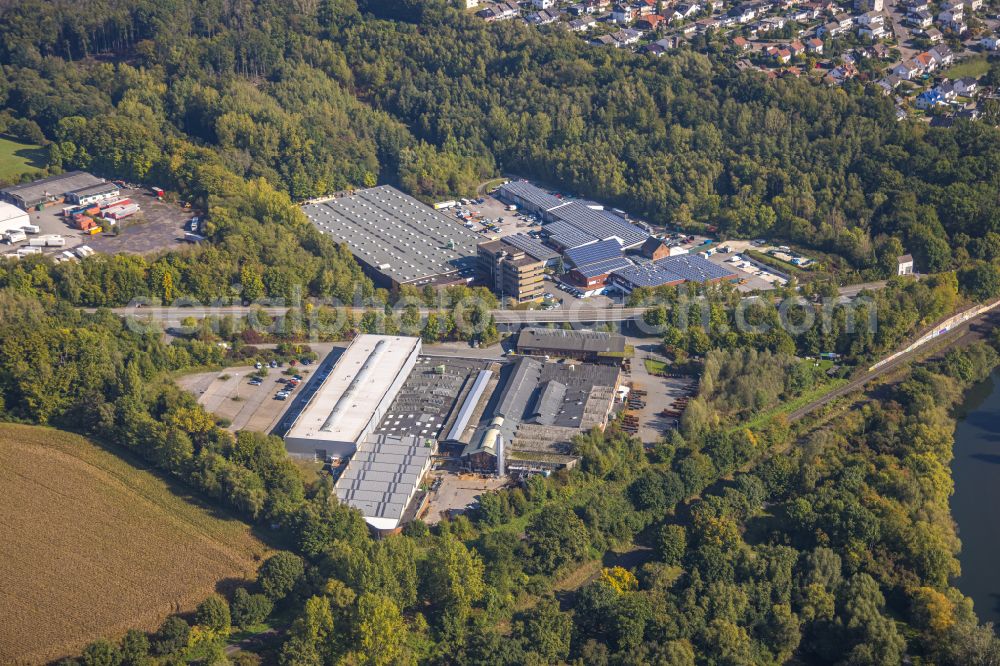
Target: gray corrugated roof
53 185
570 341
396 234
531 246
535 196
383 474
550 399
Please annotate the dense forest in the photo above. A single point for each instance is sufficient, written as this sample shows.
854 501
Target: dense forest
319 95
724 543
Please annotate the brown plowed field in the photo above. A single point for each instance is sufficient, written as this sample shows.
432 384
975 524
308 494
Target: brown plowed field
92 545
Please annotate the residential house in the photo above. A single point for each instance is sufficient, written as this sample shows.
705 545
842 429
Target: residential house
950 16
815 45
881 51
933 35
582 24
942 55
947 90
715 6
689 29
543 4
929 99
543 17
580 9
623 14
604 40
501 11
966 87
831 29
844 19
741 43
887 84
706 24
991 43
973 5
743 13
796 48
914 6
873 32
904 265
919 19
651 22
907 70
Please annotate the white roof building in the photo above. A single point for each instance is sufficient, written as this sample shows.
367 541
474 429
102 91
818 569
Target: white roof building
354 397
12 217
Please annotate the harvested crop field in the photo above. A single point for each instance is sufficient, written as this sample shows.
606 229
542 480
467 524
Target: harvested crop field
93 546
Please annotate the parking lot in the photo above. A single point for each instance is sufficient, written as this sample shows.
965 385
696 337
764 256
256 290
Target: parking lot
456 492
228 393
157 226
512 222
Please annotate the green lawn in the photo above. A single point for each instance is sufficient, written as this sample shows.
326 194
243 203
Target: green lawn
975 66
17 158
654 367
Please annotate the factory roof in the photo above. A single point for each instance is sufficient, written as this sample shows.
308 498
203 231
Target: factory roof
346 401
53 186
535 196
395 234
603 267
99 188
11 212
382 476
531 246
695 268
566 235
594 252
558 339
647 275
598 224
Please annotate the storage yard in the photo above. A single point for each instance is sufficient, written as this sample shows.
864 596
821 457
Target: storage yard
62 213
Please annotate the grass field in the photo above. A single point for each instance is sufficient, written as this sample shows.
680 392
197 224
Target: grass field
975 66
16 158
93 546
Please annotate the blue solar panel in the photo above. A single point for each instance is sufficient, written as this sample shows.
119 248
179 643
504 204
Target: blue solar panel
603 267
695 268
531 246
533 196
599 225
599 251
647 275
566 235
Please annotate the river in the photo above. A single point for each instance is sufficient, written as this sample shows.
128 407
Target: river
976 502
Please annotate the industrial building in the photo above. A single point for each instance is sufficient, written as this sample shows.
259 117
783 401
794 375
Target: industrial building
54 188
93 194
354 397
529 198
511 272
396 239
12 217
530 421
571 223
670 272
383 476
589 346
592 264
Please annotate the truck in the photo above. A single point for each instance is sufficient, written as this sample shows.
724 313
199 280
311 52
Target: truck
511 207
441 205
15 236
26 250
30 229
157 192
55 241
84 251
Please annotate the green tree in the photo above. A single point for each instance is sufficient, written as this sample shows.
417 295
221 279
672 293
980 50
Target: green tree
279 574
213 613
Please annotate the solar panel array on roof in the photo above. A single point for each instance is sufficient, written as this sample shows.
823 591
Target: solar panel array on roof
695 268
647 275
598 268
534 196
531 246
567 236
599 225
396 234
682 268
599 251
